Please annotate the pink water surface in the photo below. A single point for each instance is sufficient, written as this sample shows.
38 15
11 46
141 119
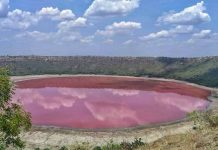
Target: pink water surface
95 108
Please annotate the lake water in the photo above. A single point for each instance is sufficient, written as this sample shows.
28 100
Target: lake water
73 103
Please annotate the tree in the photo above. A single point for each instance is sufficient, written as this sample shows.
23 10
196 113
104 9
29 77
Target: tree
13 118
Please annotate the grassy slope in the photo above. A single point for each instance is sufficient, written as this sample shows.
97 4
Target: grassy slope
198 70
206 139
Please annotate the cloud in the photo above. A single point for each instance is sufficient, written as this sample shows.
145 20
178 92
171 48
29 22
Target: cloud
111 112
127 42
180 29
119 28
87 39
121 92
56 14
18 19
4 5
111 7
50 11
203 34
157 35
39 36
108 41
68 36
57 37
64 97
180 102
189 16
68 25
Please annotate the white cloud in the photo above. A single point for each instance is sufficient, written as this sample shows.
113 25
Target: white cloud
119 28
68 36
66 14
111 7
87 39
157 35
180 29
40 36
121 92
56 37
56 14
50 11
18 19
127 42
108 41
68 25
4 5
192 15
203 34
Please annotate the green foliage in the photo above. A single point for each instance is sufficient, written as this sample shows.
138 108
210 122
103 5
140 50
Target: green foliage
97 148
202 71
137 143
63 148
111 146
13 119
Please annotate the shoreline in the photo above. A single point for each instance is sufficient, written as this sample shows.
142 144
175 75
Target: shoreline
31 77
52 136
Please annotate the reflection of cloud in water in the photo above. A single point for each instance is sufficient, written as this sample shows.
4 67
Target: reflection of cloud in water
54 98
183 103
78 94
111 112
104 107
49 98
122 92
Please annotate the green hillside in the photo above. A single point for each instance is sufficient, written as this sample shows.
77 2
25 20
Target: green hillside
197 70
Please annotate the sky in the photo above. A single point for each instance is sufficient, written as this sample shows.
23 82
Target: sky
173 28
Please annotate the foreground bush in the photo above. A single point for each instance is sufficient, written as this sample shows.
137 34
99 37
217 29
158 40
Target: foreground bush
137 143
13 119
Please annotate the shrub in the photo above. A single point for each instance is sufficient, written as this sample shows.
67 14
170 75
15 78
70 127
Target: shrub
97 148
63 148
134 145
111 146
137 143
13 118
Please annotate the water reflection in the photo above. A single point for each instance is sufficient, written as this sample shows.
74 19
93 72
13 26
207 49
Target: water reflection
104 108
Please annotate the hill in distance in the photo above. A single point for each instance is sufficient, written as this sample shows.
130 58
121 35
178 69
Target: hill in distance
203 71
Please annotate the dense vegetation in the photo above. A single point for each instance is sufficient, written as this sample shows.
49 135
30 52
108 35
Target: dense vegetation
13 119
197 70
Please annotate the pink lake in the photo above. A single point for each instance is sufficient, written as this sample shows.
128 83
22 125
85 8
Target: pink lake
102 107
